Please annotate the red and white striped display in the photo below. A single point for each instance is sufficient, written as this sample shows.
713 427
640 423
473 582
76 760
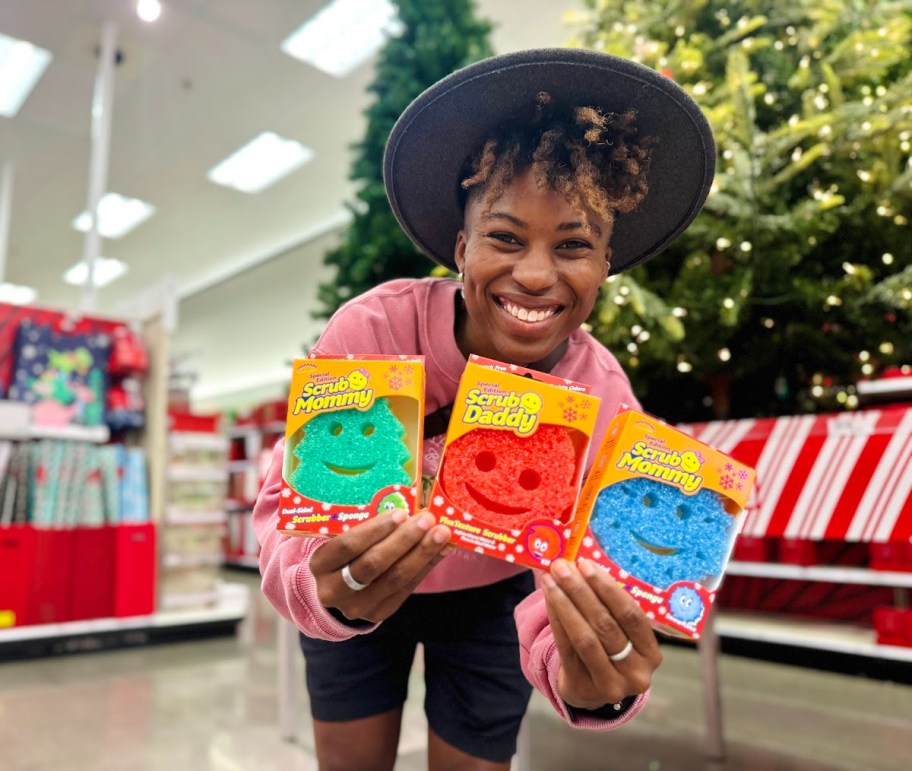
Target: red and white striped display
843 477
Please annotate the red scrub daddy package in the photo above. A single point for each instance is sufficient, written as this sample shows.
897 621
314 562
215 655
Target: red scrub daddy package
664 511
513 461
352 441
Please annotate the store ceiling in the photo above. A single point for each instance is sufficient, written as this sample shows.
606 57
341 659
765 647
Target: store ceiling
192 87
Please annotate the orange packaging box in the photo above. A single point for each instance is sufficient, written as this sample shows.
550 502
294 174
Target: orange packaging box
352 441
513 462
664 511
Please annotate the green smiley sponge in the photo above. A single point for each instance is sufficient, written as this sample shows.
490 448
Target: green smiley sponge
347 455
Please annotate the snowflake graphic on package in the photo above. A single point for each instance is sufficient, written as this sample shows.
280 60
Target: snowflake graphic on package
395 382
570 414
727 482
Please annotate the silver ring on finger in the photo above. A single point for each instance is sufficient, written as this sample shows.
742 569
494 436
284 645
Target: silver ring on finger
623 653
350 581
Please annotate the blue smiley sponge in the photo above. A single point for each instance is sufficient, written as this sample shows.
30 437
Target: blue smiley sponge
347 455
660 535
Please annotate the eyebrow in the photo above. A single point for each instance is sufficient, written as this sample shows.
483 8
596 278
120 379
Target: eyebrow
575 225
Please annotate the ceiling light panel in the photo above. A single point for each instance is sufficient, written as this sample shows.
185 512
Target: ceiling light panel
16 294
260 163
343 34
21 66
117 215
104 272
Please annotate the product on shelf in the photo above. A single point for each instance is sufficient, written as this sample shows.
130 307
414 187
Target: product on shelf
512 463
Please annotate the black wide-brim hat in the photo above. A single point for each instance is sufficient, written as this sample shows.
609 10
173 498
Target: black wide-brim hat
431 142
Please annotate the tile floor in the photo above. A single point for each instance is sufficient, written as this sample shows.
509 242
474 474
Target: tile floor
211 705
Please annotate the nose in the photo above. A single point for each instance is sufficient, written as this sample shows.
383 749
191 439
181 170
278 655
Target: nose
535 270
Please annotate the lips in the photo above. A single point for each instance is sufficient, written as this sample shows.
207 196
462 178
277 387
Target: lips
526 313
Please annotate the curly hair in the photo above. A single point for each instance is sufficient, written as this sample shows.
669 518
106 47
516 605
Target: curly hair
595 159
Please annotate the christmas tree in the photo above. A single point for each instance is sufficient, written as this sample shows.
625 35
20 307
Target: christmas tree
796 279
436 39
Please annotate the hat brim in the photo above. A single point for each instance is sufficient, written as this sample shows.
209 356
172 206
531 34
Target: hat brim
433 138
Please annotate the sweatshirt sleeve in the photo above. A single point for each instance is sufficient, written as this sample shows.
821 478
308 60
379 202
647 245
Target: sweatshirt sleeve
541 662
288 583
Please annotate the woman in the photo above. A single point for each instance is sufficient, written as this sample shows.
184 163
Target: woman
535 176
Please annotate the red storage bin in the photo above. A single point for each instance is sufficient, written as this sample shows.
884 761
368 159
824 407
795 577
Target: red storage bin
49 600
893 626
17 556
794 551
893 555
135 570
752 549
92 585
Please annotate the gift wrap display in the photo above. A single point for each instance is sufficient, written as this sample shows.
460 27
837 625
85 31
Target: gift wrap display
513 461
664 511
352 441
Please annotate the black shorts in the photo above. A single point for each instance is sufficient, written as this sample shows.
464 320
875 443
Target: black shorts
476 693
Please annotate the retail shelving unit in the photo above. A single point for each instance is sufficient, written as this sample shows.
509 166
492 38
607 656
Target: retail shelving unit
224 608
251 451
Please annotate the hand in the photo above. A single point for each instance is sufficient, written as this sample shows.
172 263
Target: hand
593 618
391 553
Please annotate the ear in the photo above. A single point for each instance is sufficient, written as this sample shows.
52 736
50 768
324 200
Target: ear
459 251
607 264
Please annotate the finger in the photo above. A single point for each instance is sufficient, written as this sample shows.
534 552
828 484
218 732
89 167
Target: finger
380 559
344 548
625 611
573 634
385 594
595 614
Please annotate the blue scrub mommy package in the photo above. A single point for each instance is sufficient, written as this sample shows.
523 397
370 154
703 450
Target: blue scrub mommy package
664 511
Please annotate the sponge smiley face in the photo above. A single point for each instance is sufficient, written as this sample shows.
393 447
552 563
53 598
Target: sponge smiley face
506 480
543 542
347 455
357 380
659 535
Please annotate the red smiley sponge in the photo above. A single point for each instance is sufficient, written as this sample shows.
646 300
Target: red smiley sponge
507 480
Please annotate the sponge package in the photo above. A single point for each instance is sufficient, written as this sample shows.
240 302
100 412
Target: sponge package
512 463
352 441
664 511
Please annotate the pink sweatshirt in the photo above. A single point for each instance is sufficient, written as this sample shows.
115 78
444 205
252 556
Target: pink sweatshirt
417 316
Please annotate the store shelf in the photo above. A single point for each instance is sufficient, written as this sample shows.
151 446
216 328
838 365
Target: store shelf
842 575
243 465
197 440
188 473
244 561
95 434
190 560
232 602
819 635
189 517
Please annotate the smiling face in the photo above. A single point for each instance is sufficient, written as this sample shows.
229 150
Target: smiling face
347 455
506 481
658 534
532 269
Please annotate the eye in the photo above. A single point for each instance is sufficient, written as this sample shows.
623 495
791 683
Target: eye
575 243
504 238
367 429
335 429
529 479
485 461
682 513
648 501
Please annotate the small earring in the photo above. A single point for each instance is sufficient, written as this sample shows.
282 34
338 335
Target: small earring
459 276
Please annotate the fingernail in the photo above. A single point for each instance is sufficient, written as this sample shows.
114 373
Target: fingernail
548 581
440 535
561 569
586 568
425 521
399 516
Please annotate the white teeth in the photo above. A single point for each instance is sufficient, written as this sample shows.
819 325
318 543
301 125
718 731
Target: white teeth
524 314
